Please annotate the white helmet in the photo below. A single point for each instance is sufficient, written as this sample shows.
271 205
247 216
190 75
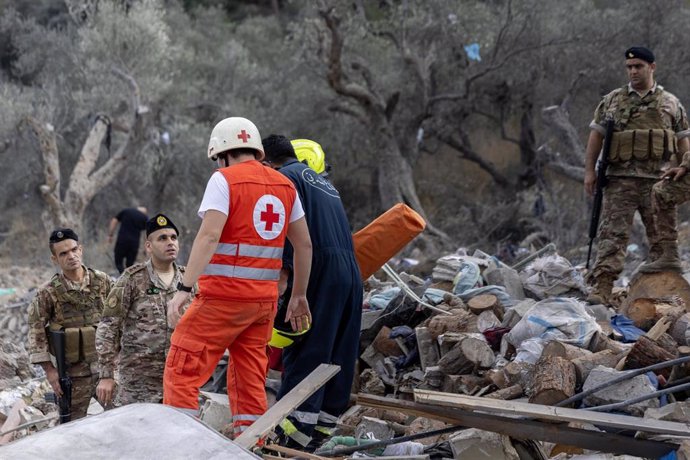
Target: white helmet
235 133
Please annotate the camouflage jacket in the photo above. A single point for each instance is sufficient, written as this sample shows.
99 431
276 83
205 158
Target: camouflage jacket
64 302
134 328
627 109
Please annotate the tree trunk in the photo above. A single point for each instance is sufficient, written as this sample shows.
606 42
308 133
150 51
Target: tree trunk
554 381
585 364
646 352
468 355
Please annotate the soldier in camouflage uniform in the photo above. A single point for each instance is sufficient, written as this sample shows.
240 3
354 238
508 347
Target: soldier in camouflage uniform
651 127
71 301
134 331
666 196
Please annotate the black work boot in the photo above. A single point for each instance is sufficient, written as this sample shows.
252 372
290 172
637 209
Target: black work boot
668 261
601 290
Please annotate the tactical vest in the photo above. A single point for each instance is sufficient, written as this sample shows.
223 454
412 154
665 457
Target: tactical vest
77 313
642 134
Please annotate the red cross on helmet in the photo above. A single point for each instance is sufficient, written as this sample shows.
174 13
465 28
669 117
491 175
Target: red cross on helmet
235 133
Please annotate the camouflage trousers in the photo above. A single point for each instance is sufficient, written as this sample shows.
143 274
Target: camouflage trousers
138 389
83 388
666 196
622 197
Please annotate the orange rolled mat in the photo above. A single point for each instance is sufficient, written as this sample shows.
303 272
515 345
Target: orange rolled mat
376 243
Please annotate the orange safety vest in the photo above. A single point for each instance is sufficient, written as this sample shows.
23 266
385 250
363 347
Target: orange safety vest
247 262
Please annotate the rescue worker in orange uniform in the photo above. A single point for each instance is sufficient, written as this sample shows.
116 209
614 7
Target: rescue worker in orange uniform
248 210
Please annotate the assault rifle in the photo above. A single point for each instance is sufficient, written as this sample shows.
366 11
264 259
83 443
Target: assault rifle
65 402
602 165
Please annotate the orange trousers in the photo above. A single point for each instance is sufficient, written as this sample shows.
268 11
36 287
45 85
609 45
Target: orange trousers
206 330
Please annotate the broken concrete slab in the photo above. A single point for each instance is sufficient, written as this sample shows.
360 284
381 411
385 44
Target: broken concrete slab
428 350
371 356
215 410
425 425
132 431
628 389
506 277
371 383
674 412
479 445
369 317
374 428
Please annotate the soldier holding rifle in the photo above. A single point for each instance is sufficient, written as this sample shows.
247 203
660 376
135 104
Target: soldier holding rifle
66 311
650 128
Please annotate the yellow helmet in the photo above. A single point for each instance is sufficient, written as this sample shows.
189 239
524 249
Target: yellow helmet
282 339
311 152
283 335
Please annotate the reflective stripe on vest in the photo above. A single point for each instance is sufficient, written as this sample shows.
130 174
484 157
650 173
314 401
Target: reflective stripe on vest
249 250
234 271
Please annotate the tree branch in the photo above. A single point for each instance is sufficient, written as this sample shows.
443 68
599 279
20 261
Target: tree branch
50 190
347 110
91 148
335 70
456 142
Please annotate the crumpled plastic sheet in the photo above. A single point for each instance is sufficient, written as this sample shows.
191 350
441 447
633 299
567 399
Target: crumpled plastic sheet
434 296
626 327
499 291
380 300
551 276
469 277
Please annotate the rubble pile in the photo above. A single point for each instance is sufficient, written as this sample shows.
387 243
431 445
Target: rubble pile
23 388
17 287
504 334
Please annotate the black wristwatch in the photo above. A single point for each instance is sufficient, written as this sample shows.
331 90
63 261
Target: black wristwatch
182 287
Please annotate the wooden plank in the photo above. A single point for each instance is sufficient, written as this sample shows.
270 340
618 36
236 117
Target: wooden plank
293 453
287 404
560 414
526 429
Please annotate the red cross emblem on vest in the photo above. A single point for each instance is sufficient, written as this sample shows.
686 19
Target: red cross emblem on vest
270 217
244 136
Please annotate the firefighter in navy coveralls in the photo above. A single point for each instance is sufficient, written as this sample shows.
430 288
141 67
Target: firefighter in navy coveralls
334 294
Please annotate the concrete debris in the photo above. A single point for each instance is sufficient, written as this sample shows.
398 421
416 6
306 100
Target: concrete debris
373 428
674 412
371 383
495 332
133 431
628 389
501 323
479 445
425 425
215 410
595 457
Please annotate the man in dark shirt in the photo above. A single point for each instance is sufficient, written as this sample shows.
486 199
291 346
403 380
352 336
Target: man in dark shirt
334 294
132 222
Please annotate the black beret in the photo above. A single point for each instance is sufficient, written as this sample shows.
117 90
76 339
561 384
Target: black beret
158 222
639 52
62 234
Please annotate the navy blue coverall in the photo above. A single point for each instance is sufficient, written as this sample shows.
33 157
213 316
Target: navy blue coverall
335 299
